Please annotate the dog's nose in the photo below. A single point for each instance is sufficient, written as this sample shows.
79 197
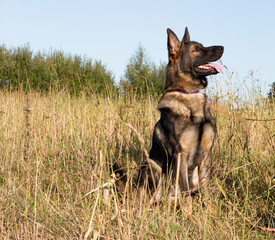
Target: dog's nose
221 48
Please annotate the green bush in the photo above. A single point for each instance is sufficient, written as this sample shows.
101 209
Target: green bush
142 76
20 68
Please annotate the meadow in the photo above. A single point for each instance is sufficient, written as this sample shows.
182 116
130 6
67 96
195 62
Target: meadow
56 148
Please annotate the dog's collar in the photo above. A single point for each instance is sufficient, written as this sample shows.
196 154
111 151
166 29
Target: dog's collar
183 91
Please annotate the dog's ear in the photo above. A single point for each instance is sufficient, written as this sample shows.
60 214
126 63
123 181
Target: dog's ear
173 44
186 37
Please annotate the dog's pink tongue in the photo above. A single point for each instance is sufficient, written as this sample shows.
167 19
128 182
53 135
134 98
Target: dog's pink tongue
215 66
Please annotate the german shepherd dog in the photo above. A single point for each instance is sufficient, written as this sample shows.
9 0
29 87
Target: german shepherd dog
183 137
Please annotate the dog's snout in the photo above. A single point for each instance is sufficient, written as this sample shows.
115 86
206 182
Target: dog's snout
221 48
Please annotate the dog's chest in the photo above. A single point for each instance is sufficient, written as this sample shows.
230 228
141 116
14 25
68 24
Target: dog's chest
184 107
187 121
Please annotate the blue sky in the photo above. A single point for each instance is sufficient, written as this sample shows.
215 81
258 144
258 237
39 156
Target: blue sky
112 30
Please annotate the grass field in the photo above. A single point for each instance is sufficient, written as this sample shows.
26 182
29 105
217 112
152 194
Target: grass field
54 149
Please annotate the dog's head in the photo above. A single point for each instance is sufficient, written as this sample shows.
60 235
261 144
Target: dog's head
190 63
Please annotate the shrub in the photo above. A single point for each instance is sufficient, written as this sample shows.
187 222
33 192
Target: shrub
142 76
20 68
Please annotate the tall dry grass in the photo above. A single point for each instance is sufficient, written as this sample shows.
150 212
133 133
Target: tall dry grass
56 148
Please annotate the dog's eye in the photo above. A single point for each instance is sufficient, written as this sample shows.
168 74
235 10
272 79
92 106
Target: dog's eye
196 49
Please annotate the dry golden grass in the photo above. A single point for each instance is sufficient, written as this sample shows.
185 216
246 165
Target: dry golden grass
54 149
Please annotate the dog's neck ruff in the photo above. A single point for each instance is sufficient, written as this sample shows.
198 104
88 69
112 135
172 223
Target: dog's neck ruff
183 91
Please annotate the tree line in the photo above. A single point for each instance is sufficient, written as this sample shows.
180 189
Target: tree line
22 69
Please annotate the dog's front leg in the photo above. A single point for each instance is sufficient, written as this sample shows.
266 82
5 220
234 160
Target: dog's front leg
182 183
179 175
204 178
204 169
183 173
204 174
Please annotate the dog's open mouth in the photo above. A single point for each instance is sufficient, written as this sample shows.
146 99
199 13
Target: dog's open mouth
209 68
